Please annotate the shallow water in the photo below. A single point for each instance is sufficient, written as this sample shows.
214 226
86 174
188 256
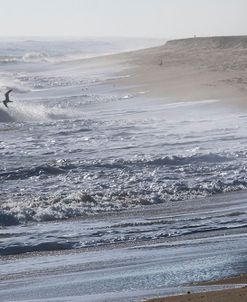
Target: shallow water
139 261
172 221
124 274
73 145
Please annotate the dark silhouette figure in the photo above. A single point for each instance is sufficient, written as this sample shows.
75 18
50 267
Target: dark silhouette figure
7 100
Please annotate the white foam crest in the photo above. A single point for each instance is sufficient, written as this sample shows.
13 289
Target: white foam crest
35 57
29 57
14 84
22 111
6 59
29 112
76 204
128 96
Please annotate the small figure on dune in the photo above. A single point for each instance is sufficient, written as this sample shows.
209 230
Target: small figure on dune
7 100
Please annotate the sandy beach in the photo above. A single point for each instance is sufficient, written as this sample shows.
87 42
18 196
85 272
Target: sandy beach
227 295
194 68
230 295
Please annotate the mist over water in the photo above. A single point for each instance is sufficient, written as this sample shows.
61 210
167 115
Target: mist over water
74 145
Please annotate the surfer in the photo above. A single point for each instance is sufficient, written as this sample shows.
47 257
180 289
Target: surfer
6 101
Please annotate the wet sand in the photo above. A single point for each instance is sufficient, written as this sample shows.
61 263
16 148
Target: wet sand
227 295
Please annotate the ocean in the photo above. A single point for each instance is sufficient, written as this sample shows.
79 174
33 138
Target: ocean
88 166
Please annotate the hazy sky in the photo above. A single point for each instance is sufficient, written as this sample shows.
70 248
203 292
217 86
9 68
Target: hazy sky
148 18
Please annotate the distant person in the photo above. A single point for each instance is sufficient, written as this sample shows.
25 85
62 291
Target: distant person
7 100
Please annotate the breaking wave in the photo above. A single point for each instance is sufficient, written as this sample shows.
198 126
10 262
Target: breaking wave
35 57
31 112
5 117
119 184
9 60
29 57
51 168
61 166
57 207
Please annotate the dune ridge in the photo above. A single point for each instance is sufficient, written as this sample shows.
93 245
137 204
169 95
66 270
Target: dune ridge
220 42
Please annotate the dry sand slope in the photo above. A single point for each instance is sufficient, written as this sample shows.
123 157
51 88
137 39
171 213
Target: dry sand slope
195 68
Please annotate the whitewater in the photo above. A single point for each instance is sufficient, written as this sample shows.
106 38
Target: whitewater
87 166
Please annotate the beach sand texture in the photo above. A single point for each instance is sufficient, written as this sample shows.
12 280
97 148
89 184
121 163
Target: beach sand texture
230 295
227 295
195 68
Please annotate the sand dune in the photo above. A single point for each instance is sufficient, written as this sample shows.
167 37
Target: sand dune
195 68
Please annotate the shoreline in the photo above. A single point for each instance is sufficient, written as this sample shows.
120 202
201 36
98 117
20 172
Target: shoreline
222 295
